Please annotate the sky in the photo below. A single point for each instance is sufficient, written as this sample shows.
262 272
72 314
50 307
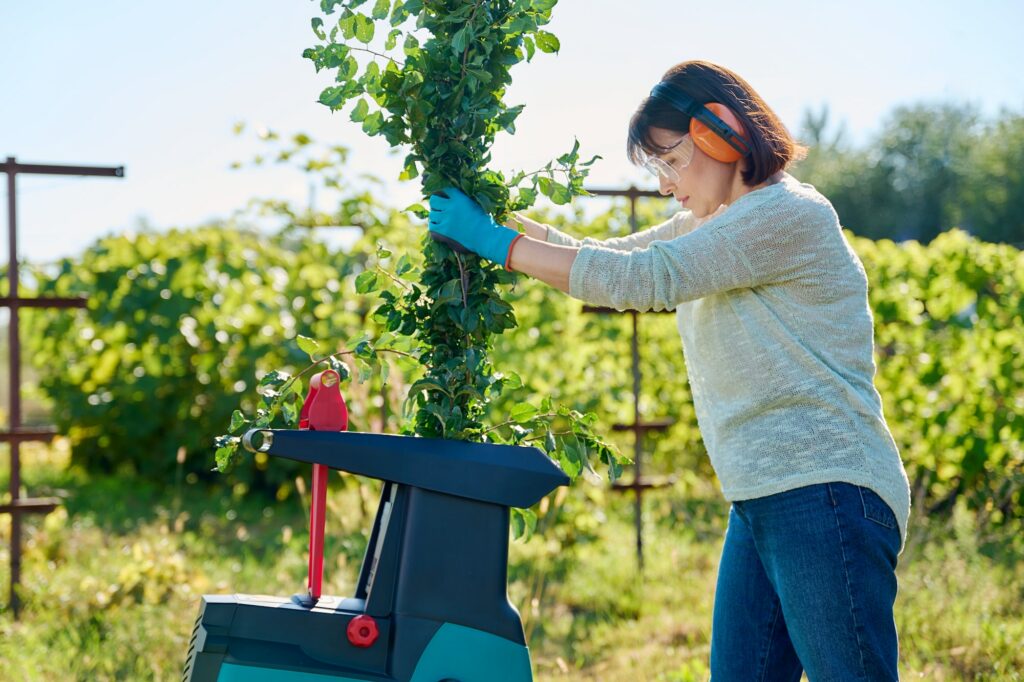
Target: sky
157 88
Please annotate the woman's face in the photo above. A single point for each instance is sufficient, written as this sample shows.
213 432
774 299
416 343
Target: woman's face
703 185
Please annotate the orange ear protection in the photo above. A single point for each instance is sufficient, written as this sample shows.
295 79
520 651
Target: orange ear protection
714 128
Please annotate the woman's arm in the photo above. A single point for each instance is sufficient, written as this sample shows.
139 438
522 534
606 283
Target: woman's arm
677 225
550 263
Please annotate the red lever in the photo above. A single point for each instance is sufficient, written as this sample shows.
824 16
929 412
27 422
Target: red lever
323 410
328 411
362 631
315 578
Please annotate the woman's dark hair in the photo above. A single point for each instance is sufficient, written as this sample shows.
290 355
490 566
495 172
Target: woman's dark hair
772 147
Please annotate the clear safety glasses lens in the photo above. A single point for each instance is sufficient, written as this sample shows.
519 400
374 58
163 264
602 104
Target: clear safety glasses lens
680 156
659 169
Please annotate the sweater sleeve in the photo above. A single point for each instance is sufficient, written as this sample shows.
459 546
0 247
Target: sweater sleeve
742 249
561 238
671 228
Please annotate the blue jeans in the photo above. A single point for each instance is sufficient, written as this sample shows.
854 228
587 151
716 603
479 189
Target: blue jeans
807 582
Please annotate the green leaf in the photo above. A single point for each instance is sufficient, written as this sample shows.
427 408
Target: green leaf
347 24
372 123
274 379
371 78
560 194
308 345
418 210
523 523
327 6
511 380
507 121
547 42
570 158
366 281
523 412
403 266
480 75
545 186
427 385
290 413
381 9
225 456
364 28
333 97
365 351
411 45
531 49
348 69
449 292
574 455
365 372
392 39
531 522
360 110
237 421
459 40
340 367
517 522
318 28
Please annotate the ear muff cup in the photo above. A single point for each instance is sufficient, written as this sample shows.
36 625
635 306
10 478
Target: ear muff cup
709 142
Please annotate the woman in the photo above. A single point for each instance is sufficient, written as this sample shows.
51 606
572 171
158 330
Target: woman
773 313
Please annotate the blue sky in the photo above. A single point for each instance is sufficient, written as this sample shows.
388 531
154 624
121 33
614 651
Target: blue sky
157 87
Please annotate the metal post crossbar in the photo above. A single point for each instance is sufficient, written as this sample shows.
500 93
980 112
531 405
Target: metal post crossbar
18 505
639 427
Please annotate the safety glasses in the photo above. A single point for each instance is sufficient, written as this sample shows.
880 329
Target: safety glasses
680 155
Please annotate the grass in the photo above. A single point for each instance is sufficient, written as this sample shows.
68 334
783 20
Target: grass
112 581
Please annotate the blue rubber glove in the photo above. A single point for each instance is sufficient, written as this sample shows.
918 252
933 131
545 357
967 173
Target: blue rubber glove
458 221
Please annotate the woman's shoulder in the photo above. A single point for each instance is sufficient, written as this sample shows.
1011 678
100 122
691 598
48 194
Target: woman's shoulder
798 204
805 194
780 204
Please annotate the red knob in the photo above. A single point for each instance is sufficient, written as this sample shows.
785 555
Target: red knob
362 631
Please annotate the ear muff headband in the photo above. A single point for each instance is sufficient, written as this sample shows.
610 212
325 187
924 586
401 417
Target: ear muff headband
720 139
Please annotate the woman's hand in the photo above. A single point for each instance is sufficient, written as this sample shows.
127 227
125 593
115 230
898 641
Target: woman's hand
460 222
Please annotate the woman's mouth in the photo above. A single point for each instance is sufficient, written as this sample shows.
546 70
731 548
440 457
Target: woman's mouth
684 200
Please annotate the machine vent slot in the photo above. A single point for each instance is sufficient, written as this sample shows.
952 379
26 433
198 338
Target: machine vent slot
186 675
385 517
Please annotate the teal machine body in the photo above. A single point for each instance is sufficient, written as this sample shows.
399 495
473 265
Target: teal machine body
431 602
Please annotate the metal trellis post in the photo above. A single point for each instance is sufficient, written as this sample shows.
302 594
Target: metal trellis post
18 505
639 427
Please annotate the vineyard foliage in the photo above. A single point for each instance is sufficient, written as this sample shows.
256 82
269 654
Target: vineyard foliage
182 326
180 329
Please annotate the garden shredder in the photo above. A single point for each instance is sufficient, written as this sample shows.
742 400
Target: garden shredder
431 601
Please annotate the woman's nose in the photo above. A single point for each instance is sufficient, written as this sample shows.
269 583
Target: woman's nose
665 185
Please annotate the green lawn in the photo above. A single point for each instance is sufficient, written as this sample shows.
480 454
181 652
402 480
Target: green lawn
112 581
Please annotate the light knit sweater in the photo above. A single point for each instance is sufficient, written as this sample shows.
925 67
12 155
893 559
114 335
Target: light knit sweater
771 304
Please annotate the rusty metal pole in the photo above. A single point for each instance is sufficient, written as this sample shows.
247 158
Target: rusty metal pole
14 363
638 434
17 434
639 427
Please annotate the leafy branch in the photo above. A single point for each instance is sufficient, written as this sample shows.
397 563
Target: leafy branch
445 103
